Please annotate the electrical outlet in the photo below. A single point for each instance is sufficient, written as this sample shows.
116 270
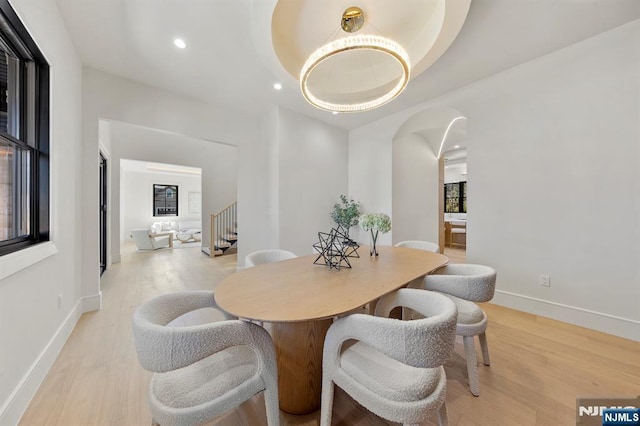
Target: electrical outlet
545 280
60 301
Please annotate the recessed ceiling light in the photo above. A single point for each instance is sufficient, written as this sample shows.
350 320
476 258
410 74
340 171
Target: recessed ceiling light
180 43
335 113
277 86
456 146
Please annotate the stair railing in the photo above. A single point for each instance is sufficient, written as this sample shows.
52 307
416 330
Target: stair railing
222 224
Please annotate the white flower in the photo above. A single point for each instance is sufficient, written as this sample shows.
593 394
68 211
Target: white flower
375 222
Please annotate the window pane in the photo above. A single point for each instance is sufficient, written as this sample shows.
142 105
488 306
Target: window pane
452 190
14 191
24 137
452 205
9 94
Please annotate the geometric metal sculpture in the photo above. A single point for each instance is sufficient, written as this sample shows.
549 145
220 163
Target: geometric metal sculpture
335 248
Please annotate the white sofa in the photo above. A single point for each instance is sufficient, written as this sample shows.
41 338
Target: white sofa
185 231
164 227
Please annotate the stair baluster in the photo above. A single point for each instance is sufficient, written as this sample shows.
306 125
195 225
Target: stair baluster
223 232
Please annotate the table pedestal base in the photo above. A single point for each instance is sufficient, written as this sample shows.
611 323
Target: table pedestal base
299 355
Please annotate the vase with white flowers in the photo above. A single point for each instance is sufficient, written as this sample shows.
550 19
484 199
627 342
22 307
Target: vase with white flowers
375 223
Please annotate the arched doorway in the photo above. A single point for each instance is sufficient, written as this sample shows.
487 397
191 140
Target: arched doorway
418 172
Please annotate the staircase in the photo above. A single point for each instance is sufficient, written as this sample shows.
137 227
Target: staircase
224 231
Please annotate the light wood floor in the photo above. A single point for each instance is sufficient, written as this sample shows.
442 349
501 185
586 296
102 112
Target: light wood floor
539 366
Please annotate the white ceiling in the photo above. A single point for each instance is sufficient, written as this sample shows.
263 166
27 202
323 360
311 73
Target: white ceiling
221 64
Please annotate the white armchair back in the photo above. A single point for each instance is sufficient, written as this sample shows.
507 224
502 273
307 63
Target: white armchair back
146 241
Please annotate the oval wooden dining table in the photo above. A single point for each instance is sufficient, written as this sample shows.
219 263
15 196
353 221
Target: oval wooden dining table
301 299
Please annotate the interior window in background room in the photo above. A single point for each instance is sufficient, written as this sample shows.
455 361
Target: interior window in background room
455 197
165 200
24 136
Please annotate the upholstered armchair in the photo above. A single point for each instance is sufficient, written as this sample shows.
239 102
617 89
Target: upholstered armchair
202 371
392 367
147 241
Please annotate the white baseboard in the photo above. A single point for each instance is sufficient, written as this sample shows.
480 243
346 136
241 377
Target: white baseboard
611 324
18 401
91 303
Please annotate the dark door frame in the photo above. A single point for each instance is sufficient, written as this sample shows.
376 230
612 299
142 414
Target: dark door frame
103 214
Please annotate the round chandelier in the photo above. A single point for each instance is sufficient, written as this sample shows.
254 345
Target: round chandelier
388 62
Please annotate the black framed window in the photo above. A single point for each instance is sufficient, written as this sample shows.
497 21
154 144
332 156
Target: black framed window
24 136
165 200
455 197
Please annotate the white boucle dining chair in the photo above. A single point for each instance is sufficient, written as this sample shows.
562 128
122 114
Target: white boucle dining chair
202 371
267 256
420 245
392 367
261 257
465 284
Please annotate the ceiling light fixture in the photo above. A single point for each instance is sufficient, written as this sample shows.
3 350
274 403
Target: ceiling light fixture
277 86
446 132
180 43
173 170
352 21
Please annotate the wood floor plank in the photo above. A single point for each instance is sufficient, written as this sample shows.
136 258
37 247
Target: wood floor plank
539 366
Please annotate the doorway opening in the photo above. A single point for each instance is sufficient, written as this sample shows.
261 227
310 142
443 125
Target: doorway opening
455 201
160 206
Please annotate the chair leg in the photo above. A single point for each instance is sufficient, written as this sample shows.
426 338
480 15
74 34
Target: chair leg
485 349
326 405
472 365
443 418
272 406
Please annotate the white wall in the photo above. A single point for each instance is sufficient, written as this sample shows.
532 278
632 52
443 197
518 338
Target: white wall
32 326
565 130
136 195
312 168
415 190
259 170
370 167
552 178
